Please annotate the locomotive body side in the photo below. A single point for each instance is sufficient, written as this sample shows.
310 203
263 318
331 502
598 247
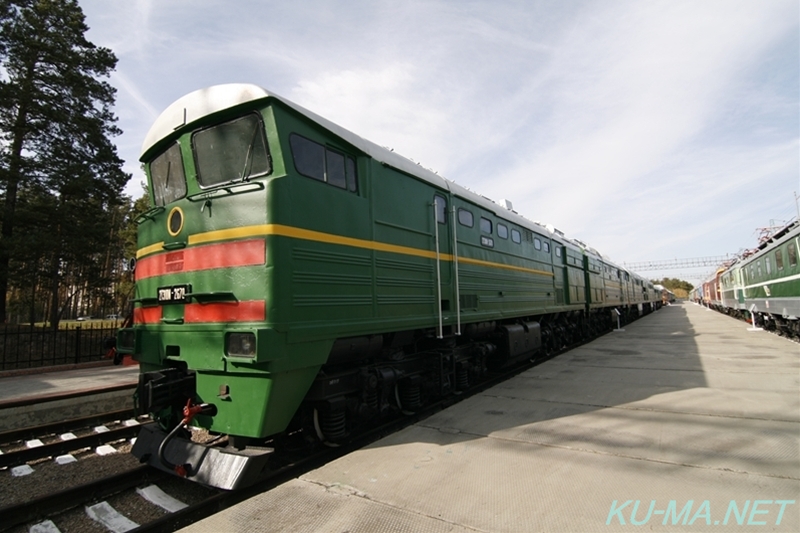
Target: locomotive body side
771 281
292 275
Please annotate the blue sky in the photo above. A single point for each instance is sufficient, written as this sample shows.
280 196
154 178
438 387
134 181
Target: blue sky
651 130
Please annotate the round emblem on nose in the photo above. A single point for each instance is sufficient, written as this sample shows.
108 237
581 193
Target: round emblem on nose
175 221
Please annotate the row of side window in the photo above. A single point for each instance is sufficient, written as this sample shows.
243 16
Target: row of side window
466 218
791 252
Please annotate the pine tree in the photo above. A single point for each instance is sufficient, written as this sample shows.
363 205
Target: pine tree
56 123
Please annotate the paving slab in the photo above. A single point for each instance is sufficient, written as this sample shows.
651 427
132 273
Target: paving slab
36 399
54 384
685 421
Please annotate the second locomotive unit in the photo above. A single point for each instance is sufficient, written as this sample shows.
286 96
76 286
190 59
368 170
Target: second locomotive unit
294 278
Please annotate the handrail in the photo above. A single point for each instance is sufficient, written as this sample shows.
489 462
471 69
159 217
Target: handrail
455 266
439 334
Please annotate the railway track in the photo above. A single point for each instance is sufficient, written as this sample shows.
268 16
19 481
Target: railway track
35 449
70 509
51 504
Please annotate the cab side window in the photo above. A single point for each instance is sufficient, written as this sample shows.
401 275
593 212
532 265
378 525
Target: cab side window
318 162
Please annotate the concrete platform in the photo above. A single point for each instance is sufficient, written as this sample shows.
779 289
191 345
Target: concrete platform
685 421
35 399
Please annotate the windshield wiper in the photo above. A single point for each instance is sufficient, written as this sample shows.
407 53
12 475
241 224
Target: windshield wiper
249 152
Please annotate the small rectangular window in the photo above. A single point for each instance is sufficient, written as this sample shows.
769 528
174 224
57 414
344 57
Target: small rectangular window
465 218
537 244
516 236
486 226
769 265
792 252
758 268
558 251
779 259
502 231
334 169
441 209
546 246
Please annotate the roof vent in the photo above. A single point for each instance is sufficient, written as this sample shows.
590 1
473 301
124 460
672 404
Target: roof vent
507 204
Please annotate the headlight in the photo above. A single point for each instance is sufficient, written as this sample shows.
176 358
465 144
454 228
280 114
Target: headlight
241 344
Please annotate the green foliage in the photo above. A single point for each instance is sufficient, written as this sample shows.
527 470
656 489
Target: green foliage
127 242
678 286
60 175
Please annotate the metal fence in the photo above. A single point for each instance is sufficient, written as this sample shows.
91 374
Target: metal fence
32 346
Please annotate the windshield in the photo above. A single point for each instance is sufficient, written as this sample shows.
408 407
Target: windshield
166 174
231 151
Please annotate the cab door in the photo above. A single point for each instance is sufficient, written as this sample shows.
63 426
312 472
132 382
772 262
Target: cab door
446 264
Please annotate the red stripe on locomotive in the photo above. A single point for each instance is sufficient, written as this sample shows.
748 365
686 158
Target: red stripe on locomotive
147 315
225 255
249 311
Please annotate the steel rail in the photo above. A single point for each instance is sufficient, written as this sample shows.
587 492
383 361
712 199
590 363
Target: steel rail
58 502
61 447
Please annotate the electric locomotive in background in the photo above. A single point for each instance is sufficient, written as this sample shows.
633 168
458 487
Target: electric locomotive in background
296 279
762 286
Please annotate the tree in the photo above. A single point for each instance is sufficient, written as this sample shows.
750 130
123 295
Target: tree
678 286
56 123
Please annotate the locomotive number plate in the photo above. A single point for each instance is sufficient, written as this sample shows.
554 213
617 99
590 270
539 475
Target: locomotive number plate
176 294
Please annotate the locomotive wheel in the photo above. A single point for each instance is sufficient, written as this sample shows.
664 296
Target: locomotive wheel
320 434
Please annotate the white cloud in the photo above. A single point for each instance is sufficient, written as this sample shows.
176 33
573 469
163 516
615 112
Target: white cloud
639 127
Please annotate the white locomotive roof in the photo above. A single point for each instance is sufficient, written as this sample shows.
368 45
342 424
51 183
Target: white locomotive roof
203 102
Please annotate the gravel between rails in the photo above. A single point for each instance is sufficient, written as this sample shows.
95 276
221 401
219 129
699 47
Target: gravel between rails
50 477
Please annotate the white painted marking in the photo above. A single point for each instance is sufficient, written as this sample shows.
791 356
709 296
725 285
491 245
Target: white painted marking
21 470
155 495
35 443
133 440
44 527
68 436
131 422
105 449
65 459
101 429
109 517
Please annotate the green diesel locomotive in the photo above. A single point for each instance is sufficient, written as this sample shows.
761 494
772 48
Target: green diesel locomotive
294 278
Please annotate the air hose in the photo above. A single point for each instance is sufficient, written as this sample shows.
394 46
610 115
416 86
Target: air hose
189 412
